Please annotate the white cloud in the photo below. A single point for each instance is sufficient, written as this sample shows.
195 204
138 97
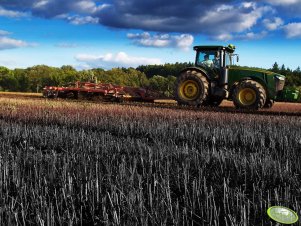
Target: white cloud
80 20
283 2
88 6
224 7
41 4
248 5
223 37
4 33
11 13
273 24
145 39
10 43
252 36
183 41
66 45
210 18
293 30
89 58
235 21
245 36
110 60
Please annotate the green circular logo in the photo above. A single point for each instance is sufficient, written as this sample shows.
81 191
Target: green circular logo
282 215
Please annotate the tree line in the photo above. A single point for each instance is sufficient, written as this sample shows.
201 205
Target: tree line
293 77
34 79
159 78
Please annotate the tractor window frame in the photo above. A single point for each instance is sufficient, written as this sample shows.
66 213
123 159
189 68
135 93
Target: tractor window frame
227 59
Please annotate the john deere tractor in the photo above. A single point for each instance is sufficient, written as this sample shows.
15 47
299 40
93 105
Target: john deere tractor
215 78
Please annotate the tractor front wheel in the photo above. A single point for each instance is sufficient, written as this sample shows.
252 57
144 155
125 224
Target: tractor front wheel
249 94
191 88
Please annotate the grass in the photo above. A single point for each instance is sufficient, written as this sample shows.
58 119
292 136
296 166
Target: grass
73 163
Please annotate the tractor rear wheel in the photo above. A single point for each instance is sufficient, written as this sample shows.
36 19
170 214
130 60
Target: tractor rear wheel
191 88
249 94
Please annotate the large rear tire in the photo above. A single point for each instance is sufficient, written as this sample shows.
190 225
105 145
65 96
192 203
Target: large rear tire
249 94
191 88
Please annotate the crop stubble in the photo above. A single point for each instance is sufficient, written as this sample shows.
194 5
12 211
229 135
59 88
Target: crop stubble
77 163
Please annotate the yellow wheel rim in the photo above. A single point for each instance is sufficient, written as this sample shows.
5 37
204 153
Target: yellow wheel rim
247 96
189 90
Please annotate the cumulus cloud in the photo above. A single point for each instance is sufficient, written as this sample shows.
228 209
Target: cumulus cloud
88 6
4 33
223 37
241 36
110 60
283 2
206 17
293 30
80 11
79 20
11 13
252 35
183 41
10 43
273 24
219 19
209 18
289 8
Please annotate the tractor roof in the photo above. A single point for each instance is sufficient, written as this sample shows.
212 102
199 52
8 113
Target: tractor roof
230 48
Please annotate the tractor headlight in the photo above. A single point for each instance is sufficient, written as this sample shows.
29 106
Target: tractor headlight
279 82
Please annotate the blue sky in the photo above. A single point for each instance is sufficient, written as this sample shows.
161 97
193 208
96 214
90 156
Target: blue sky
127 33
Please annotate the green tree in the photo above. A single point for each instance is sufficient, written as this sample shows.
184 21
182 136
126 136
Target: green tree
158 83
23 80
275 67
7 80
68 74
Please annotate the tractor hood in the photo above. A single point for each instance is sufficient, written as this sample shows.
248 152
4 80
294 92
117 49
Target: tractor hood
260 70
252 71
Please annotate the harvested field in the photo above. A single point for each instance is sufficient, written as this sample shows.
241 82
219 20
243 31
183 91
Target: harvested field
76 162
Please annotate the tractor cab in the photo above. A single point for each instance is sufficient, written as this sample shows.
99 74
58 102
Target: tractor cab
214 57
215 61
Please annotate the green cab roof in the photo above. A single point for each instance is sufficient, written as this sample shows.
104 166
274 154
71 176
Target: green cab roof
230 48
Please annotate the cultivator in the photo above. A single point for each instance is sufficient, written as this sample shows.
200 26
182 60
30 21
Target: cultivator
98 91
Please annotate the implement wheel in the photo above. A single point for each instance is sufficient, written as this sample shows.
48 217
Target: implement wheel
191 88
249 94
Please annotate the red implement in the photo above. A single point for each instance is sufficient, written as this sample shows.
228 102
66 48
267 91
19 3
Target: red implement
101 91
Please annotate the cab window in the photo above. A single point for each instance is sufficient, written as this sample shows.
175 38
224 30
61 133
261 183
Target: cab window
227 59
208 59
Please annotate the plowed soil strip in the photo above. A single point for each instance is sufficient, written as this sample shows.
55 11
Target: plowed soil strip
279 108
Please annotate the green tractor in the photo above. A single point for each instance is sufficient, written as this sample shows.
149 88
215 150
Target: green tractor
214 78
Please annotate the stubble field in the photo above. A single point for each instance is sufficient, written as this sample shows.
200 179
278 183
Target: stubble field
75 162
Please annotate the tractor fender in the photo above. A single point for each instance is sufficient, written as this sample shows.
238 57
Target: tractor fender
204 72
260 81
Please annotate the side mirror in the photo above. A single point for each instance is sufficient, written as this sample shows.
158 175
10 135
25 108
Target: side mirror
237 58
